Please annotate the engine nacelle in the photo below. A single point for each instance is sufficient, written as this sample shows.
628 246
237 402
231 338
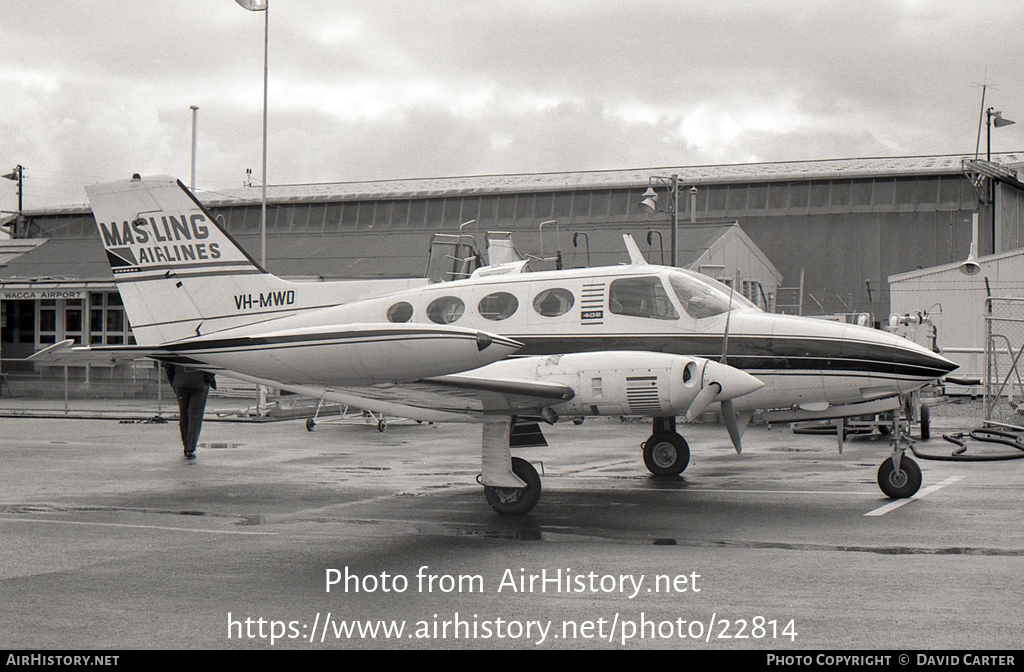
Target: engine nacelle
629 382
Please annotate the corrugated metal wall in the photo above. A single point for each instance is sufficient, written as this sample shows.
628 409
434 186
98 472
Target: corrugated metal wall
846 234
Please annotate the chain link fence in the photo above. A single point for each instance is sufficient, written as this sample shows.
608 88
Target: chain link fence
1004 361
133 390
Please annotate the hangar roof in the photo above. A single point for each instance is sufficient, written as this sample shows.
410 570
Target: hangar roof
427 187
611 179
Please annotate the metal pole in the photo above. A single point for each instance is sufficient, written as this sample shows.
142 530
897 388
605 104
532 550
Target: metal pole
991 181
988 134
981 115
195 112
263 206
18 220
261 409
800 301
675 219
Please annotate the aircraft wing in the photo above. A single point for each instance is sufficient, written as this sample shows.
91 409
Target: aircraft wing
451 398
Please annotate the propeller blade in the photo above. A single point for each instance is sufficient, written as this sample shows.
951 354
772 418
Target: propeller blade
732 424
702 401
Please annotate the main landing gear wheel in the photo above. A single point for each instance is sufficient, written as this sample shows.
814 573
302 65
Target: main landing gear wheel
926 422
666 454
899 484
516 501
310 424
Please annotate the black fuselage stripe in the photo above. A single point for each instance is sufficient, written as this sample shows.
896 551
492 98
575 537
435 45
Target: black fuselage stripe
755 354
302 340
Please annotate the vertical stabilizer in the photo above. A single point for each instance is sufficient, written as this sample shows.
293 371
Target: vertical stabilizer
178 272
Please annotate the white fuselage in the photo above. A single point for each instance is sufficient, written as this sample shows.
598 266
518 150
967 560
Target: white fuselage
800 360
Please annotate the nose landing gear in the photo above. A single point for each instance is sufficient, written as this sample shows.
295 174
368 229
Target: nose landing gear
899 476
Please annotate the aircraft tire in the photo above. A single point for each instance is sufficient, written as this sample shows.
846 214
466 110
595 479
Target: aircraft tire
926 422
903 484
666 454
310 424
516 501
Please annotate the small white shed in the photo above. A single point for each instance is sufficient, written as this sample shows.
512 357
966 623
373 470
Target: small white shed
726 253
955 304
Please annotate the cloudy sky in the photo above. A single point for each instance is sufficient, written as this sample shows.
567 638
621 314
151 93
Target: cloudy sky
98 90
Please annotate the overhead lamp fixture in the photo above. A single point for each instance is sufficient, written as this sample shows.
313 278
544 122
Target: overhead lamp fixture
650 199
971 266
998 120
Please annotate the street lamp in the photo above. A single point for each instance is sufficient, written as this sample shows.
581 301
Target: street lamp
195 112
17 175
261 6
994 117
650 201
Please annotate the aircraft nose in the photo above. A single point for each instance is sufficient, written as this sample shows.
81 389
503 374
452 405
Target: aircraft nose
943 364
915 361
734 382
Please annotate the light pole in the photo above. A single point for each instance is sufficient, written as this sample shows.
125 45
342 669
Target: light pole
993 117
195 112
17 175
650 201
261 6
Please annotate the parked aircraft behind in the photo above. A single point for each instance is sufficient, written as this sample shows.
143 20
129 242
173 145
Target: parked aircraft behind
636 339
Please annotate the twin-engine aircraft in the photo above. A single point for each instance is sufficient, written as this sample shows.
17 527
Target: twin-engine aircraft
636 339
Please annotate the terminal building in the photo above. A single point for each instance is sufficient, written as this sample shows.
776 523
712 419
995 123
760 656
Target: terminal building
814 237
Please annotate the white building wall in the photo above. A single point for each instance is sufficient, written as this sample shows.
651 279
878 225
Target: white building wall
955 304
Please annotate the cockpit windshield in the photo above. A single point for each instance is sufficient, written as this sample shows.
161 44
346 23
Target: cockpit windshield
703 297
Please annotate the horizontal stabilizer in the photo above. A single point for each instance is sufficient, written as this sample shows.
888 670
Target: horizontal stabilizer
66 353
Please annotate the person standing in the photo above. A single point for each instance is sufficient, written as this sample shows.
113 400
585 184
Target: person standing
191 387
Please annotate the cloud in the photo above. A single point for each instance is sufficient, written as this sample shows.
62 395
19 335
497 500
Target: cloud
94 91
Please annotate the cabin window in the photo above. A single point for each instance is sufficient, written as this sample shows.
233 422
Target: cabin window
400 312
446 310
554 302
498 306
641 297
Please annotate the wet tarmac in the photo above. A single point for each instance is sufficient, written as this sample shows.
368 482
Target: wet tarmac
110 540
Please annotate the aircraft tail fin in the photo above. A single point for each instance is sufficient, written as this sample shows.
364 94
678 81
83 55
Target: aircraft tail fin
179 273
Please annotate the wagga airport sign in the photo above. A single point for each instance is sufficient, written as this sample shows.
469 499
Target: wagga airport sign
29 294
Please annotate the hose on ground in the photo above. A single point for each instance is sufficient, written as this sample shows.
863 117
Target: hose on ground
985 434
